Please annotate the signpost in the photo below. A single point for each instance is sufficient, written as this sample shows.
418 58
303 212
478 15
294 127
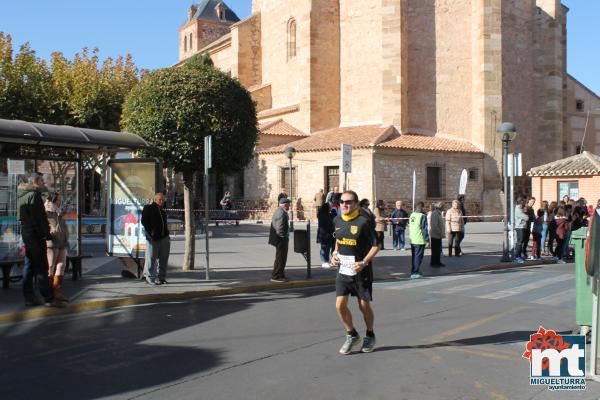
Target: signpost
346 162
414 193
207 166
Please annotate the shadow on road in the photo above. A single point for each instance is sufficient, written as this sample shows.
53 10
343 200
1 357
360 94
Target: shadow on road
115 352
498 338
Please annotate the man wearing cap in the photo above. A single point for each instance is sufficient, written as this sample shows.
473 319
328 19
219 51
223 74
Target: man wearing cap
279 237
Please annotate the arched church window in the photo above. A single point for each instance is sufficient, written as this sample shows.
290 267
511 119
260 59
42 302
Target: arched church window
291 39
191 45
185 43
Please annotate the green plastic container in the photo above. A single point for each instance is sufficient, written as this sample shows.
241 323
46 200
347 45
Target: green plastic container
583 282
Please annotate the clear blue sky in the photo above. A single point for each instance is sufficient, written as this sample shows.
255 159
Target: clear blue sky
148 30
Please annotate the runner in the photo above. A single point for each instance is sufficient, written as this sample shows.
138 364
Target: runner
355 247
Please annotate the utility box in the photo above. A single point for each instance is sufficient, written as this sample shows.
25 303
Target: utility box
583 282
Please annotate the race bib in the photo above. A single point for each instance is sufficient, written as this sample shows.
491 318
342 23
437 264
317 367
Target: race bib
347 265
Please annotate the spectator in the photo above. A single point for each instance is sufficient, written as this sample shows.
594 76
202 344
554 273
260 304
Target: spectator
528 227
562 232
319 199
279 237
331 195
461 200
419 237
56 244
158 242
35 231
520 222
226 202
367 213
281 195
335 207
437 232
299 209
380 222
546 220
552 209
536 231
399 220
325 233
455 228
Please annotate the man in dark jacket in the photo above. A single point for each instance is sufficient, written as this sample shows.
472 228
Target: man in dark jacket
399 220
35 229
158 243
279 237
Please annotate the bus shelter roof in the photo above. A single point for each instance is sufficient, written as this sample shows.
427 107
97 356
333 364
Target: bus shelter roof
36 134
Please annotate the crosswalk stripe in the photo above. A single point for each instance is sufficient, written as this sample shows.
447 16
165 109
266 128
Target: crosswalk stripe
523 288
556 299
469 286
428 281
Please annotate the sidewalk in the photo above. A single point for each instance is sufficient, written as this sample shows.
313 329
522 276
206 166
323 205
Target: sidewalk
241 262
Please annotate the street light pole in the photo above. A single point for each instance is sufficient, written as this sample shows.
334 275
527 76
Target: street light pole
508 131
290 152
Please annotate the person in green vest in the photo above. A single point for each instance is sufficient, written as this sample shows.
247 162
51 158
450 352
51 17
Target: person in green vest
417 225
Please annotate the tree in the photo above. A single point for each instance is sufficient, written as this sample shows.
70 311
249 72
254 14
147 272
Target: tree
174 109
26 90
198 61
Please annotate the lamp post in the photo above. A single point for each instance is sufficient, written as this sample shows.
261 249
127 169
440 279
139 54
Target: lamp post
508 130
290 152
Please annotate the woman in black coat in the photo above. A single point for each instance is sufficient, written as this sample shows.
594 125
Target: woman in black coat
325 233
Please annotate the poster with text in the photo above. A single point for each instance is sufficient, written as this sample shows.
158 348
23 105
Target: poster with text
132 185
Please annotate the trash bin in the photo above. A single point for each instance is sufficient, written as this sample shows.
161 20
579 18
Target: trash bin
301 241
583 282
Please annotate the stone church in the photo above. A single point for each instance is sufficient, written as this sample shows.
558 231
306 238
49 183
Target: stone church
411 84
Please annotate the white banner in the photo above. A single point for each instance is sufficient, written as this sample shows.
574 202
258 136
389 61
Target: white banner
462 186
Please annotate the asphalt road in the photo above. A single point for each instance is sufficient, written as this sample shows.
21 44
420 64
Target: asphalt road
451 337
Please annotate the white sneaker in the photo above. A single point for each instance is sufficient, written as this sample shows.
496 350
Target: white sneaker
325 265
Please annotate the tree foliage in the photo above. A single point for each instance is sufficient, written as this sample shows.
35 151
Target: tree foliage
198 61
174 109
81 92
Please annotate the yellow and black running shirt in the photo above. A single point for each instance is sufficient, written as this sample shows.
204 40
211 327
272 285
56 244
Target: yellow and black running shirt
354 237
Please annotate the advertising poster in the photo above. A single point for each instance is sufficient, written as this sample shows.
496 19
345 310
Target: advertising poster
132 185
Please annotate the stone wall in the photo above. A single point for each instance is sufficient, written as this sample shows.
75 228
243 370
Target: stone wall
360 59
246 57
324 64
576 120
550 50
394 63
393 175
289 78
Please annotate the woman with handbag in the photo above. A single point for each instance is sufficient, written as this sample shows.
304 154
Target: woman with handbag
56 244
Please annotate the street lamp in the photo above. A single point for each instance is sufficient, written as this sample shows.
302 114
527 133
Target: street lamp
290 152
508 131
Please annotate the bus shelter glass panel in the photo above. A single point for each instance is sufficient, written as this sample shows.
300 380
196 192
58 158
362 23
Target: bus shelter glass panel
59 177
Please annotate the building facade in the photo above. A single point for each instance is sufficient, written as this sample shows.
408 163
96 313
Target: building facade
441 72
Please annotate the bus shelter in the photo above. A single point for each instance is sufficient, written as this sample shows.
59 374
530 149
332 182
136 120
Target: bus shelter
57 152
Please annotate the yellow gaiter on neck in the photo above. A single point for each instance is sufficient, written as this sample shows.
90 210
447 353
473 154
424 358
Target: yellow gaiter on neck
354 214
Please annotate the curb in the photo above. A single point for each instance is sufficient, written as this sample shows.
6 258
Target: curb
93 305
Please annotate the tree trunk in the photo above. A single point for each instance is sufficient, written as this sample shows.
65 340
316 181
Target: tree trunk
190 234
